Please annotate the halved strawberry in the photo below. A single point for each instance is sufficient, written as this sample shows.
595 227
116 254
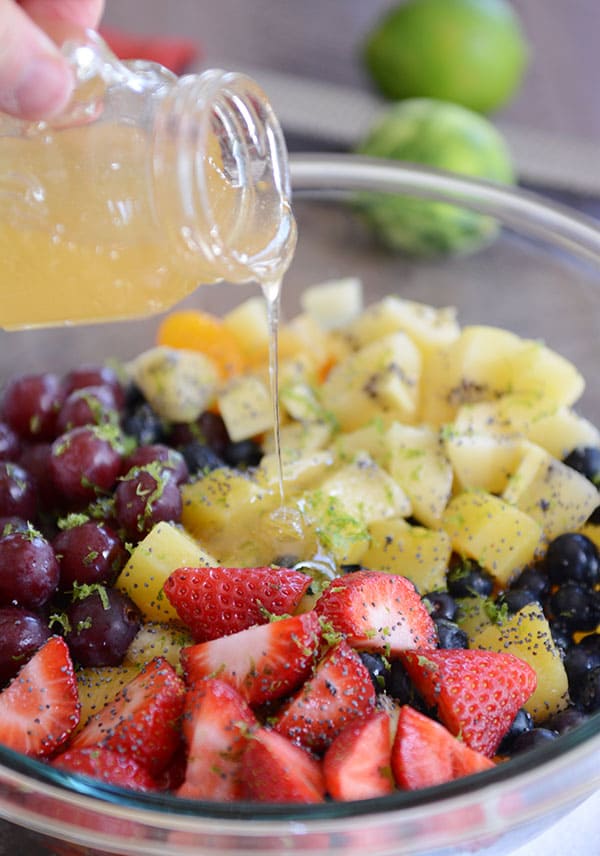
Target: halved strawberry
262 663
108 765
378 612
215 602
275 770
357 765
339 692
477 693
40 708
142 721
216 724
425 753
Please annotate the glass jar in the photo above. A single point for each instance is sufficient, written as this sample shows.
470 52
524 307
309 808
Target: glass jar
147 186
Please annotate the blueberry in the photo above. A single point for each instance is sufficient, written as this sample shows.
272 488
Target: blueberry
377 667
575 605
200 458
578 662
572 557
398 684
534 580
561 634
144 425
522 723
244 453
589 698
442 605
533 738
468 579
515 599
586 460
450 635
566 720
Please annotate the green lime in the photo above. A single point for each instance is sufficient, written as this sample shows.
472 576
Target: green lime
471 52
445 136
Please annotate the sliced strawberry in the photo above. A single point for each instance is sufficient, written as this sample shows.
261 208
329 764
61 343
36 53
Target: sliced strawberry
339 692
275 770
108 765
216 725
264 662
477 693
142 721
216 602
378 612
425 753
40 707
357 765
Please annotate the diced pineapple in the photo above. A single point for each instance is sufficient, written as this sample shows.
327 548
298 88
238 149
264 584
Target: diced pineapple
299 472
502 538
303 336
473 614
97 685
301 402
249 324
370 440
335 303
179 384
246 407
558 497
562 431
383 377
342 536
301 437
418 464
427 326
482 461
527 635
538 370
157 640
164 549
366 491
420 554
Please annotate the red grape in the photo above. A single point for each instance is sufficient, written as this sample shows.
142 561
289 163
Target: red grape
93 375
88 553
102 626
31 404
90 405
84 463
29 571
10 445
146 497
18 496
172 462
22 632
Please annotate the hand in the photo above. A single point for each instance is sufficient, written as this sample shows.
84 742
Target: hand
35 80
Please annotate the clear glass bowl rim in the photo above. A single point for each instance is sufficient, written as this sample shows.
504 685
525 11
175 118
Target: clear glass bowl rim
331 177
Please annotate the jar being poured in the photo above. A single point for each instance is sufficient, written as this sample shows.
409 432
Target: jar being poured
147 186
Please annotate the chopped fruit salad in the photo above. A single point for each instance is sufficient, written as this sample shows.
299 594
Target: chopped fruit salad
413 596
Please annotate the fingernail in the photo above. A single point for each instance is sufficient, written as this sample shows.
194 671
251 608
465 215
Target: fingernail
44 88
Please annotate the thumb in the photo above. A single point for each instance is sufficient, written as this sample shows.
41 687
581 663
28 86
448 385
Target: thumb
35 80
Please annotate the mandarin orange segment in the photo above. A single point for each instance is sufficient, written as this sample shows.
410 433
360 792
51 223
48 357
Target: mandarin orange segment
199 331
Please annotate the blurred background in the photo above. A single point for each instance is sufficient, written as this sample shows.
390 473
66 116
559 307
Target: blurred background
310 58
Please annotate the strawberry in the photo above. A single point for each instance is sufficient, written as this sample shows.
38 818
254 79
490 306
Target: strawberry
357 764
275 770
40 707
263 663
477 693
425 753
215 602
108 765
216 723
142 721
377 611
339 691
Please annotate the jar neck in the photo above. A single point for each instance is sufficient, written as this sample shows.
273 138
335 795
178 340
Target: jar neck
220 176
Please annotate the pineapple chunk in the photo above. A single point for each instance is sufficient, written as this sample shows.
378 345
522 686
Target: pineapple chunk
246 407
558 497
301 402
482 461
299 472
164 549
370 440
301 437
302 336
382 376
335 303
473 614
249 324
340 535
427 326
502 538
420 554
527 635
538 370
562 431
179 384
418 464
98 685
157 640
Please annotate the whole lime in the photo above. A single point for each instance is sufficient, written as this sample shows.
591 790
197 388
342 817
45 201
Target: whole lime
448 137
471 52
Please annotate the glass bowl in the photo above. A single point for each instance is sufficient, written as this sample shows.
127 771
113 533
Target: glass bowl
540 278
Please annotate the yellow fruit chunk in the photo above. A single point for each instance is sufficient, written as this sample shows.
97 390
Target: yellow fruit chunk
246 408
97 685
482 461
198 331
562 431
164 549
157 640
420 554
335 303
249 325
527 635
558 497
502 538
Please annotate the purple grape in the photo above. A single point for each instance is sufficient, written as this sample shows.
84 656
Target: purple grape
35 459
31 404
92 375
10 445
18 495
145 498
172 462
29 572
90 405
102 626
88 553
21 634
84 463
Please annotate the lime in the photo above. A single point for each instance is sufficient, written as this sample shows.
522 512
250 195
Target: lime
445 136
471 52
